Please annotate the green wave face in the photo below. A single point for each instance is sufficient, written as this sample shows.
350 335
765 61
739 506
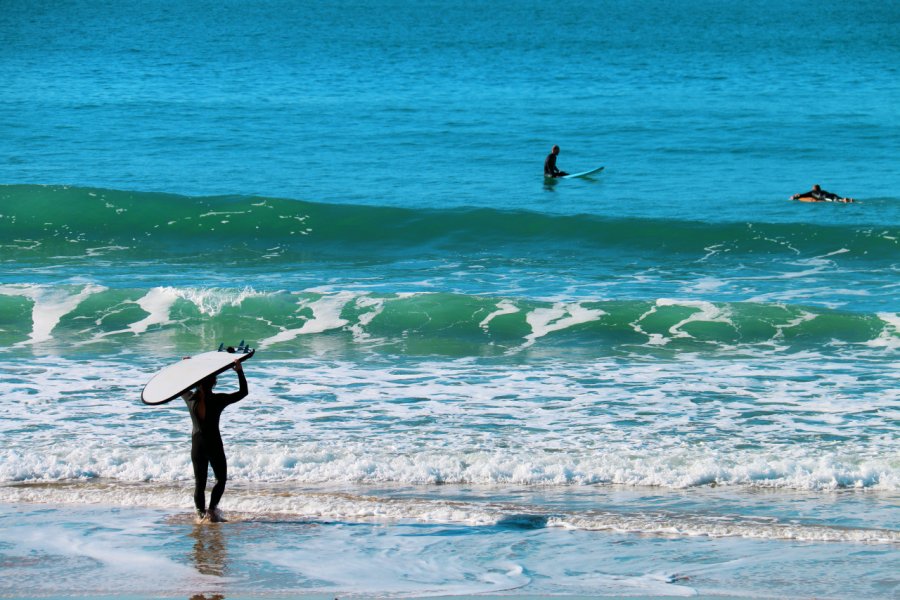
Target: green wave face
48 221
90 318
101 271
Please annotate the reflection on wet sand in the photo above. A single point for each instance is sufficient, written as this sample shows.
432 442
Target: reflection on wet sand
210 555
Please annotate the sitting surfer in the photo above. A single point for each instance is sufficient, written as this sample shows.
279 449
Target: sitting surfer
207 450
550 169
817 194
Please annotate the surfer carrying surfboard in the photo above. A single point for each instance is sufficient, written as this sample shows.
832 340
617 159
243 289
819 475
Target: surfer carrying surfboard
550 169
207 449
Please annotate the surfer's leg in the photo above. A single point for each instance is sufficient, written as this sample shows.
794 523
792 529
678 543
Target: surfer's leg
216 454
201 470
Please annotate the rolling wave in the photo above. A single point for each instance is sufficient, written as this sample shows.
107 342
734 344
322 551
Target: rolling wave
49 221
94 317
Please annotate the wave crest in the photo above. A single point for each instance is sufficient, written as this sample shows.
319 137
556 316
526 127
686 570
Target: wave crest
47 220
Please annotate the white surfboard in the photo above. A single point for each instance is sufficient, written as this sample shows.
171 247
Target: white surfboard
584 173
177 378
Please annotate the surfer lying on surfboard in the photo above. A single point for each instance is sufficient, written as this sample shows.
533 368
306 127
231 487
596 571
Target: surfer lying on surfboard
817 194
207 449
550 169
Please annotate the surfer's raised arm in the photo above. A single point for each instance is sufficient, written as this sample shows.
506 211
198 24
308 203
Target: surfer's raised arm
242 380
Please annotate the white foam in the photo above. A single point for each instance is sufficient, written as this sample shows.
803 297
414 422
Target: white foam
711 251
707 312
50 305
704 286
436 571
22 244
504 307
373 307
157 303
211 301
111 553
812 423
243 502
222 213
889 338
722 526
556 318
654 339
326 316
101 250
820 296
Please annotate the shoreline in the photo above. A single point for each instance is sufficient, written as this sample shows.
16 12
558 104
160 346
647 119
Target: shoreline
118 553
856 517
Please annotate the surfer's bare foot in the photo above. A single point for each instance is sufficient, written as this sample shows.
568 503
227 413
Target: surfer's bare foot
200 517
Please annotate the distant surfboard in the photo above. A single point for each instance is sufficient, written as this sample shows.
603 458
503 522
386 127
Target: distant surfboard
177 378
826 199
583 173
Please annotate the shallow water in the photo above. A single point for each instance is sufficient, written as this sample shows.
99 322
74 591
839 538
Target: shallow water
79 550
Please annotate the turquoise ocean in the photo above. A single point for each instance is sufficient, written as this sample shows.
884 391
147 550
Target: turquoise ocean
665 380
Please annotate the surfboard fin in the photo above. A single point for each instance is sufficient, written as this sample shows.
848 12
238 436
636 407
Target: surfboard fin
242 348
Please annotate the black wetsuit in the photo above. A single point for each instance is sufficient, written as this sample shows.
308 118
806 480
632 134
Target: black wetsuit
550 169
206 442
821 196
